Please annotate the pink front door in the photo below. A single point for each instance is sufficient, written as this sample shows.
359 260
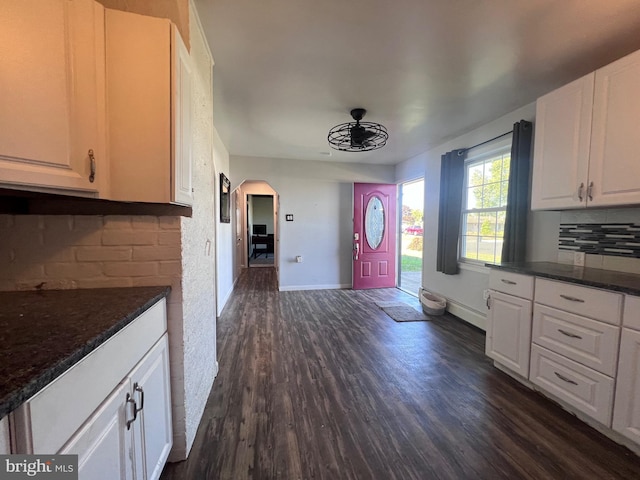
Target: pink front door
374 235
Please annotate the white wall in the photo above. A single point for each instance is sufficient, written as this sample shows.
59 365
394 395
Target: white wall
319 195
464 291
225 231
198 259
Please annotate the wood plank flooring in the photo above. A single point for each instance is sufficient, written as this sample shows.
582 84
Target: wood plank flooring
324 385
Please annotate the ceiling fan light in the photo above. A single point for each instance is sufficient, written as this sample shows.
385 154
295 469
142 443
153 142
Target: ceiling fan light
358 136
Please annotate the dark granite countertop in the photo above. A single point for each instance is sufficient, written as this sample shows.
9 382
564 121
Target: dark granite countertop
592 277
43 333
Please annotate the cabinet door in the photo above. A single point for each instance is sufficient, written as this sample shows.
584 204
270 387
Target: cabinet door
103 444
152 429
182 161
626 411
149 109
614 168
51 94
561 150
509 332
139 106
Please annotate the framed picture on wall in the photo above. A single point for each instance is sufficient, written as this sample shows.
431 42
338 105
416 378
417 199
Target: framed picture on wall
225 187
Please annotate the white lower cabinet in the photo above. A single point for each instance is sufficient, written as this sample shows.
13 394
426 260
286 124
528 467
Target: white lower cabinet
130 434
626 414
589 342
112 409
509 331
151 427
580 346
583 388
102 445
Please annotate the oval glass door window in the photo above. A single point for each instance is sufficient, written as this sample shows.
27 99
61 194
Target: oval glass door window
374 222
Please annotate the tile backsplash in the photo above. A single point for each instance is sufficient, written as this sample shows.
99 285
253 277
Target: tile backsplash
617 239
610 238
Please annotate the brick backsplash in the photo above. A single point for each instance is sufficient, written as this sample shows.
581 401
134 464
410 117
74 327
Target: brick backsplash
64 251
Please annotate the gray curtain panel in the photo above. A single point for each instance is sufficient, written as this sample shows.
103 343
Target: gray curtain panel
515 228
451 184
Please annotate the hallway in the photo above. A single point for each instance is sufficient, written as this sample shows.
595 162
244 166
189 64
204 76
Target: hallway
322 384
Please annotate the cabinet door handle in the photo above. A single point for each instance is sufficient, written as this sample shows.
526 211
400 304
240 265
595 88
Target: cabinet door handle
508 282
580 189
569 334
134 407
138 388
92 162
572 299
565 379
590 191
489 302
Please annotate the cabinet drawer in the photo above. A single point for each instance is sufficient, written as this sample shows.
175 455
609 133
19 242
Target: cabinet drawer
589 342
57 411
590 302
511 283
585 389
631 317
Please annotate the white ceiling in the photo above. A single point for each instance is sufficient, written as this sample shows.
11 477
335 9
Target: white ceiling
286 71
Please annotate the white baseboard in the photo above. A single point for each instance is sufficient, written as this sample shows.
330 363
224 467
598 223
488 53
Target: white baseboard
225 299
467 314
292 288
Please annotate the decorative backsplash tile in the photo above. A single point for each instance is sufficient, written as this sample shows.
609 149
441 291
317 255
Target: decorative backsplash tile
615 239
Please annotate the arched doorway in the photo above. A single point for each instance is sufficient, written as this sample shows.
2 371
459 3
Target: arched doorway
257 227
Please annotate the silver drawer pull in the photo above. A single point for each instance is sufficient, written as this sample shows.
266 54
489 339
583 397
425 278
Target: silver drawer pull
508 282
569 334
572 299
565 379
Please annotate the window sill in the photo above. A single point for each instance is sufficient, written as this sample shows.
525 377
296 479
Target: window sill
474 267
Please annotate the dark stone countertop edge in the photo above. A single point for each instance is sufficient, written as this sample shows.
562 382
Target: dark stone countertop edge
621 282
17 397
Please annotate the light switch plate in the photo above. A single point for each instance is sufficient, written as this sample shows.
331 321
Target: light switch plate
578 258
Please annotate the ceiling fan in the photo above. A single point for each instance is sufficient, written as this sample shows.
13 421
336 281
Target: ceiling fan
358 136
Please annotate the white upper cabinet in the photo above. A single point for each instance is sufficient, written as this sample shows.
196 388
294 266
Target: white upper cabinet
585 150
614 169
52 96
561 149
149 109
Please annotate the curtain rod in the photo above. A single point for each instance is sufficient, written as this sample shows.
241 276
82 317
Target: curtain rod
487 141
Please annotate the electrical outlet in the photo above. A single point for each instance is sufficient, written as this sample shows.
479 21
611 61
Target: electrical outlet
578 258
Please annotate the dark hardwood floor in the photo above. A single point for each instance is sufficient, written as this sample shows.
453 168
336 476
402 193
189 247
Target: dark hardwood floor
323 385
